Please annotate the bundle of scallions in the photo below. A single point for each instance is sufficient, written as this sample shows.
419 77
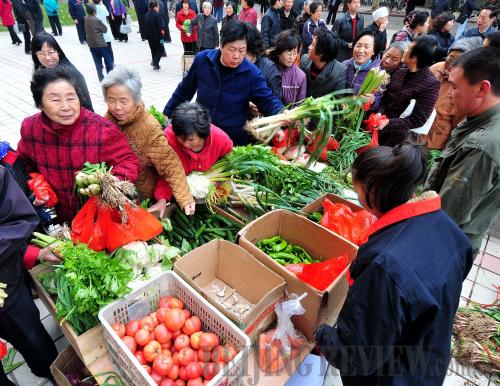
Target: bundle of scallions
323 110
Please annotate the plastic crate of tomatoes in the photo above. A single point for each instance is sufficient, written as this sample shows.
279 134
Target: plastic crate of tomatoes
166 333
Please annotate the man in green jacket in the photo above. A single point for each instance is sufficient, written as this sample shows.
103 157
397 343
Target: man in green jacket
467 174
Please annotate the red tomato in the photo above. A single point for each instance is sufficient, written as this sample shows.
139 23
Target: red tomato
130 343
161 315
147 323
195 382
186 356
175 358
180 382
140 357
194 370
142 337
162 334
119 328
166 346
157 378
167 382
175 334
163 303
152 335
209 370
163 364
175 319
147 368
187 313
181 342
155 319
217 354
229 352
208 341
203 356
192 325
151 350
194 340
131 327
183 373
173 374
175 303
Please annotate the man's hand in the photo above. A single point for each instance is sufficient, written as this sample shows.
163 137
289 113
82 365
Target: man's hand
76 21
252 108
190 208
159 206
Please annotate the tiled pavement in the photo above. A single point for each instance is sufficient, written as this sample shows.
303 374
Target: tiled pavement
16 103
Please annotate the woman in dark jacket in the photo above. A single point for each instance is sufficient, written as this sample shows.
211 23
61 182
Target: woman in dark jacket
441 32
415 82
46 53
208 31
230 14
396 323
19 9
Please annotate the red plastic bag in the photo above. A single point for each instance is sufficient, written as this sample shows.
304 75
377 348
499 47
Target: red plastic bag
320 275
3 350
42 189
340 218
101 228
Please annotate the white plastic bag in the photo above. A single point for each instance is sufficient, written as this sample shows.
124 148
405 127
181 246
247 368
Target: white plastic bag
285 331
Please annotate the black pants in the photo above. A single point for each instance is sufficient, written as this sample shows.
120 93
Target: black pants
332 12
156 52
80 28
111 51
27 38
140 19
13 35
20 325
115 24
55 24
189 48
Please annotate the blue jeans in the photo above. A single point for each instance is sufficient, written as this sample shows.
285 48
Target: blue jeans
98 54
218 14
461 29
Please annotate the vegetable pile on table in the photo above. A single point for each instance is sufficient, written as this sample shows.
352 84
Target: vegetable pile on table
171 346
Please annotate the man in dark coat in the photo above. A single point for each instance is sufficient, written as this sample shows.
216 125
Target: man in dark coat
77 13
20 323
271 23
347 28
19 9
379 28
141 8
288 15
154 33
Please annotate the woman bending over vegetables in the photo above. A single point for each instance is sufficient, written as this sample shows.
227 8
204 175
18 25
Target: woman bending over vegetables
197 142
395 325
122 93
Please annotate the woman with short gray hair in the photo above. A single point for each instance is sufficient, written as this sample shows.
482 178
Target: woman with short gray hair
121 88
208 33
391 60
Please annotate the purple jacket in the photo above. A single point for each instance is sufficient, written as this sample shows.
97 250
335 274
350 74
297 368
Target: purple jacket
118 8
356 78
293 84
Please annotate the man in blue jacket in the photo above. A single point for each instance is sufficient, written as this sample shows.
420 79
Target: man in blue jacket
271 23
225 82
77 13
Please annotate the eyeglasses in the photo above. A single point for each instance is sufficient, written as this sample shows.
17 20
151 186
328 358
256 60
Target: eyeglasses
46 53
291 53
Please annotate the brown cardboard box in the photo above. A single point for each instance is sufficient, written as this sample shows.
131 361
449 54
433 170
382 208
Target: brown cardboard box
320 306
90 345
225 264
317 205
66 362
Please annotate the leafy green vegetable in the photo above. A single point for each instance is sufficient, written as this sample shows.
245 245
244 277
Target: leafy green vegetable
8 361
158 115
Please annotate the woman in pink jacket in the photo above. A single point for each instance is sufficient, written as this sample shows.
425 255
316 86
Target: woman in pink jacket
248 14
8 20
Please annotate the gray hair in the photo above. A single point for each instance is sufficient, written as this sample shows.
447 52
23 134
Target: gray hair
206 4
400 46
123 76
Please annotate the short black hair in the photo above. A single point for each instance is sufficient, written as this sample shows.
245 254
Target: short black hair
481 64
424 49
390 175
494 39
313 7
376 44
272 2
91 10
285 41
255 43
36 45
191 118
45 76
441 20
326 45
234 31
419 18
493 10
250 3
152 4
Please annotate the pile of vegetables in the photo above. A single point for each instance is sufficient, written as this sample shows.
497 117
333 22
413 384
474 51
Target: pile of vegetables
171 346
283 252
158 115
84 282
190 232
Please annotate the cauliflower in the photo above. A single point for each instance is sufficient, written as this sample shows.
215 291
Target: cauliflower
199 185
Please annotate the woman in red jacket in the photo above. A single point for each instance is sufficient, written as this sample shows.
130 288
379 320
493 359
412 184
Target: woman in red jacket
8 20
57 141
189 35
197 142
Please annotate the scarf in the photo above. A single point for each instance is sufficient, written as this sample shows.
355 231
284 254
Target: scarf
361 67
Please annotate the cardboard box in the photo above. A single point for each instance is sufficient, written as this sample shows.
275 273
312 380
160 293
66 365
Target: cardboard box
317 205
321 306
223 264
90 345
66 362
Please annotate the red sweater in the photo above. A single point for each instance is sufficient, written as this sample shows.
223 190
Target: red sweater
217 145
58 152
179 21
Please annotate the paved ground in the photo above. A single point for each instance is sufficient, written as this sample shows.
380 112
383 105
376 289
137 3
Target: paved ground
16 103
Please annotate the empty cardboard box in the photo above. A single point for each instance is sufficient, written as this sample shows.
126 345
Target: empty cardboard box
320 243
219 267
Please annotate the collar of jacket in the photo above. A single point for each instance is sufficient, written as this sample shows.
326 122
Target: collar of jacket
214 57
475 122
429 202
61 130
132 120
347 16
